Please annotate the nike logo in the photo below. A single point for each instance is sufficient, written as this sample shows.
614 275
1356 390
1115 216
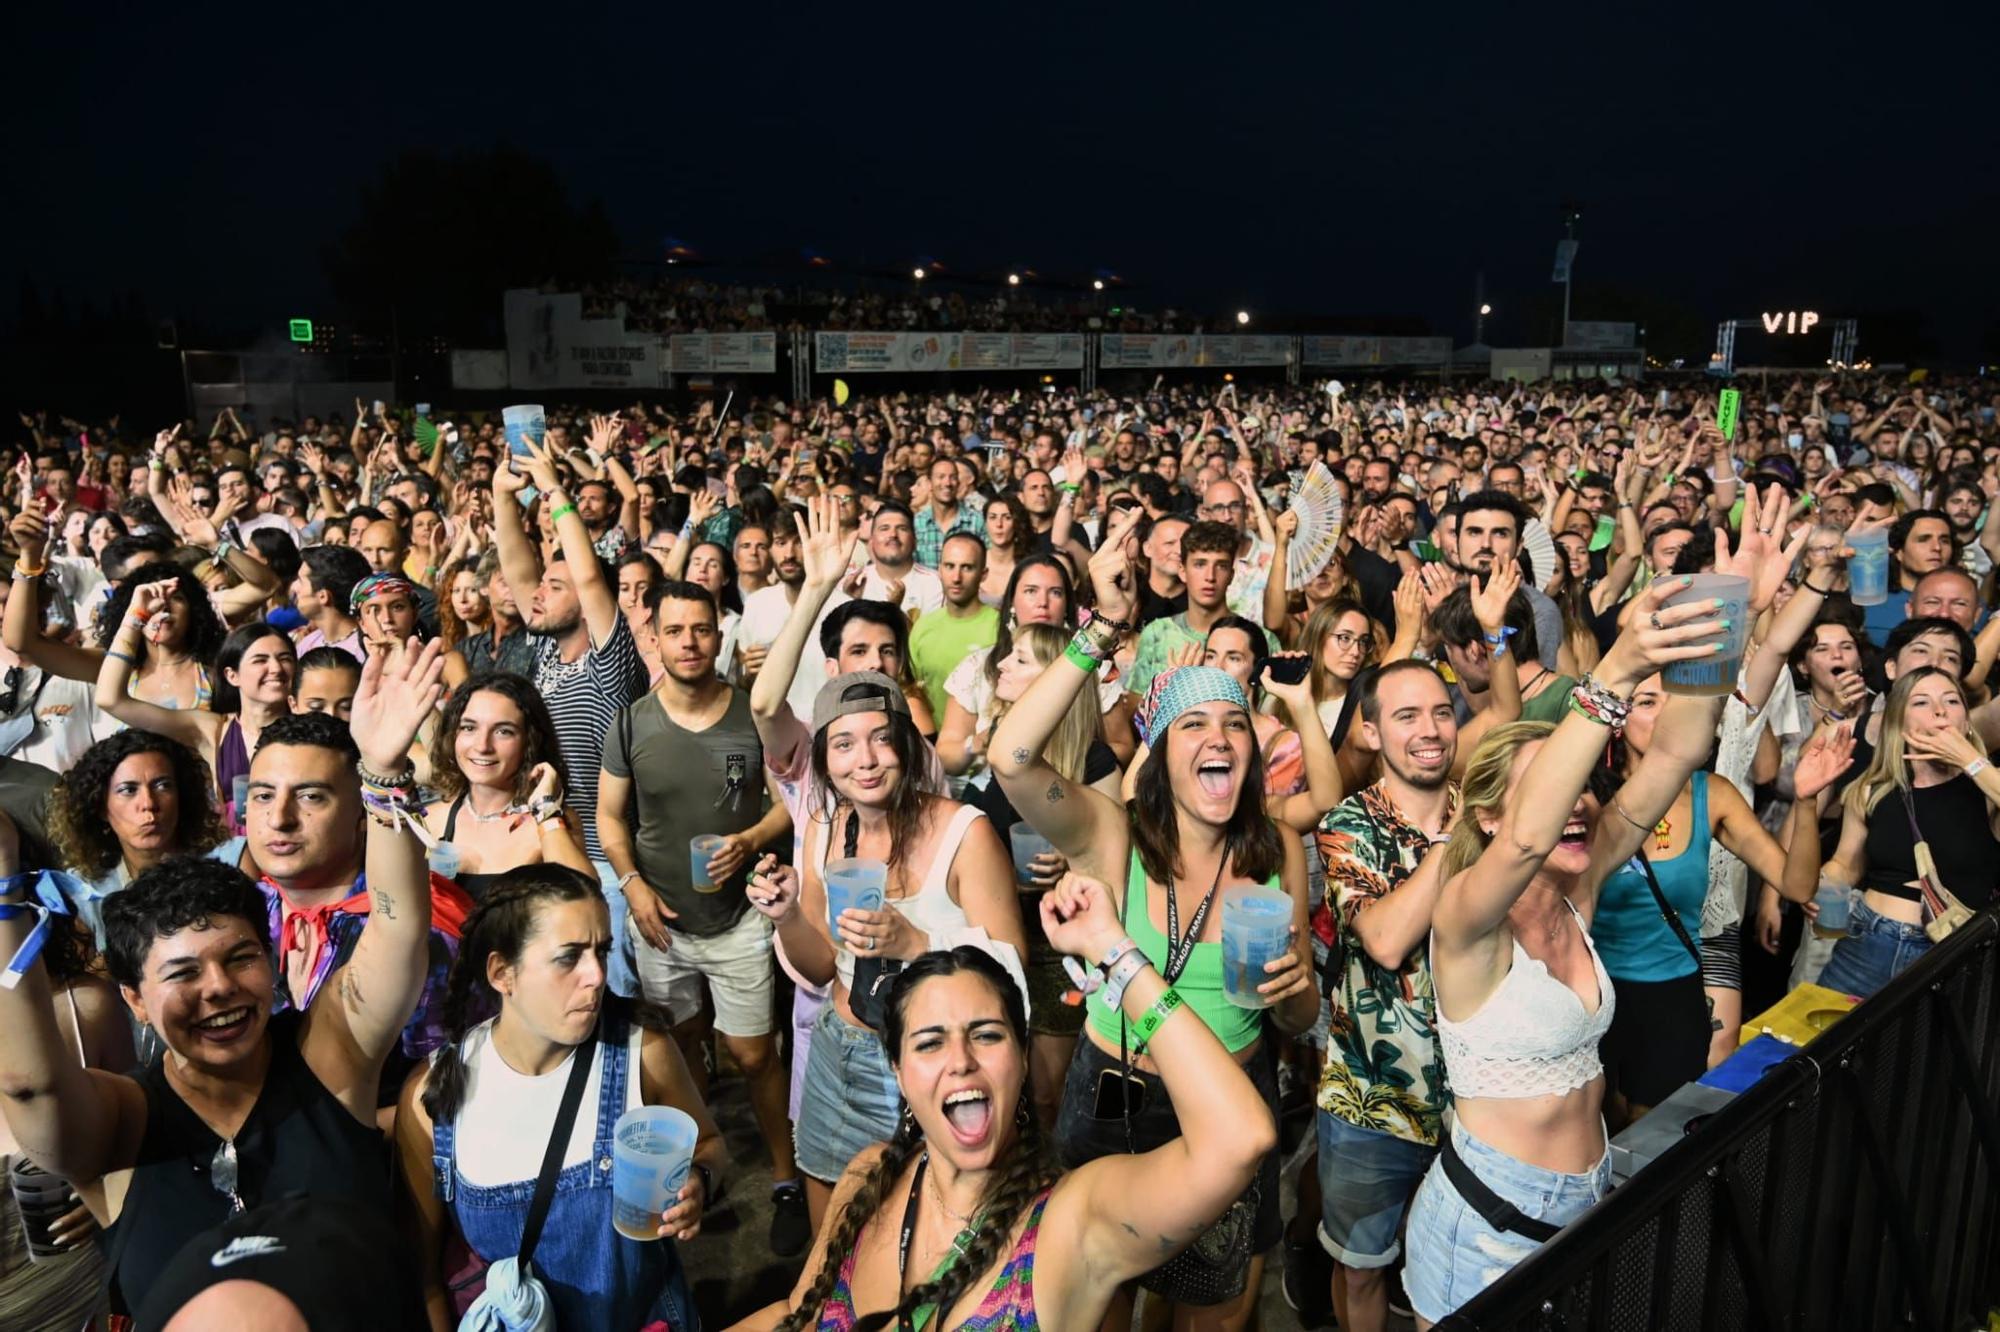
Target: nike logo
245 1246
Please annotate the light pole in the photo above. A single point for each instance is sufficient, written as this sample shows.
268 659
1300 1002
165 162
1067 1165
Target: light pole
1242 318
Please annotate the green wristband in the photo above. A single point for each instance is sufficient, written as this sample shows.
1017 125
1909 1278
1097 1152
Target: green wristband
561 511
1162 1009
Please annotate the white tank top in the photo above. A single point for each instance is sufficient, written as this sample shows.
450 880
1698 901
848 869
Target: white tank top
930 909
1532 1036
506 1117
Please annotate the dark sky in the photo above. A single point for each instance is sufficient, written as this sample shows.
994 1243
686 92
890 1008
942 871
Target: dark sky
1303 157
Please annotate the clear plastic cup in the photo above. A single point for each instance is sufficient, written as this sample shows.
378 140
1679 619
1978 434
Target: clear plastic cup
1868 567
651 1150
524 423
1713 674
239 794
1027 844
856 884
43 1199
701 850
1836 910
1256 929
445 860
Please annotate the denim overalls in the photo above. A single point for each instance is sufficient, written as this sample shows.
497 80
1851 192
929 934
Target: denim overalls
596 1278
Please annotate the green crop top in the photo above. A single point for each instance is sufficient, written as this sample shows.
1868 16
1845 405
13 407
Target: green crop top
1200 985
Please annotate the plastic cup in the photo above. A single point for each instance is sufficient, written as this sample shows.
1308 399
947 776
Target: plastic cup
701 850
1868 567
859 885
239 794
1713 674
43 1200
651 1150
1256 929
445 860
524 424
1027 844
1836 910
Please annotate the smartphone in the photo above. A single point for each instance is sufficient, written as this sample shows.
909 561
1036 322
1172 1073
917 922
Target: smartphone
1119 1095
1289 670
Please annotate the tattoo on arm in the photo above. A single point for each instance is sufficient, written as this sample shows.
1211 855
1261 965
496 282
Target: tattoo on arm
350 989
1055 792
383 905
1021 756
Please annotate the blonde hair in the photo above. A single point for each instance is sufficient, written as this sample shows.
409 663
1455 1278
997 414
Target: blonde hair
1065 750
1890 768
1484 789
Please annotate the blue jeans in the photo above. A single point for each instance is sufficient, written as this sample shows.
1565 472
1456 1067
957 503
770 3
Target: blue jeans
1366 1181
1454 1253
1875 949
621 973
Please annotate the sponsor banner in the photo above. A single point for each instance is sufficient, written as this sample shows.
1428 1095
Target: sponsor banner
1148 351
723 353
1349 351
861 352
551 345
1585 335
478 369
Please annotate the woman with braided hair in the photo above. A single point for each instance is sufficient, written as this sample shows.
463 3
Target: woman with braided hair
962 1220
473 1127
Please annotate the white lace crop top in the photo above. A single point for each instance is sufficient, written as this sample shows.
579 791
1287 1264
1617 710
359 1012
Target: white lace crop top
1532 1036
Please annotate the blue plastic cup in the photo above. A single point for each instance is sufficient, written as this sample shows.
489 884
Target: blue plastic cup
1027 844
1256 930
1868 567
854 884
1714 674
1836 909
525 423
651 1150
702 849
445 860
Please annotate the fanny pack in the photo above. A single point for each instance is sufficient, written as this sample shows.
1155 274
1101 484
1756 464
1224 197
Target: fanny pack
1943 913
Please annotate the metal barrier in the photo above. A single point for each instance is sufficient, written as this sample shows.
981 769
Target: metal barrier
1856 1185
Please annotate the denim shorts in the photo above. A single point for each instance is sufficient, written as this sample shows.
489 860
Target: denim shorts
1366 1181
1454 1253
622 976
1875 950
851 1099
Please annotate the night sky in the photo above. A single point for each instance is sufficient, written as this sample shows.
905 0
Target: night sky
1298 158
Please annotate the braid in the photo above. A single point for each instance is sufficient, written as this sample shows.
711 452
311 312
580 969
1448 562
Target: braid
1028 1171
861 1208
445 1088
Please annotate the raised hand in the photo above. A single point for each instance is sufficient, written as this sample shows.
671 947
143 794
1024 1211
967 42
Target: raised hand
1439 582
604 432
1489 603
773 890
395 698
1080 917
1111 568
1657 634
1825 757
1296 695
1942 744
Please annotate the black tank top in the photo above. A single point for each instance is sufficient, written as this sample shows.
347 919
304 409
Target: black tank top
476 885
1954 819
297 1140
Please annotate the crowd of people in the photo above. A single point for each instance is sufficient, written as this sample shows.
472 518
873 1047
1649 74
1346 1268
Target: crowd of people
686 302
388 806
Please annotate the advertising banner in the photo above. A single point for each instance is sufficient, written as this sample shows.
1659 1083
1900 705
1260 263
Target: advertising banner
723 353
551 345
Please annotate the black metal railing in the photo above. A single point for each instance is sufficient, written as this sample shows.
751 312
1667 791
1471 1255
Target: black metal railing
1856 1185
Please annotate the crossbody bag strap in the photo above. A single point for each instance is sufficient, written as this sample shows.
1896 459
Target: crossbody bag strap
545 1183
1660 900
1937 898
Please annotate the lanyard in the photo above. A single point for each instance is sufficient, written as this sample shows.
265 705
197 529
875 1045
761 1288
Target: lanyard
916 1317
1180 947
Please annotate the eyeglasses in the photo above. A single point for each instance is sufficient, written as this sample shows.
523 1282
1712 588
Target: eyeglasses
1344 640
1233 506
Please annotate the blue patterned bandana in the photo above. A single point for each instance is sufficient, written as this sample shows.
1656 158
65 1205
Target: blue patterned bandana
1184 687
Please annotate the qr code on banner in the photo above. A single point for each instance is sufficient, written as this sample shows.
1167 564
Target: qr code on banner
832 348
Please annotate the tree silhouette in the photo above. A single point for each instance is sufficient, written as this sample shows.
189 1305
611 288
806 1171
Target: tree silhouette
438 238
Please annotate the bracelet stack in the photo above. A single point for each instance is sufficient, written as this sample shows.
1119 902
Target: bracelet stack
1594 702
392 800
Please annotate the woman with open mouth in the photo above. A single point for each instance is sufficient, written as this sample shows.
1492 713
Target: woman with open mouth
245 1105
1197 824
473 1128
962 1219
1523 998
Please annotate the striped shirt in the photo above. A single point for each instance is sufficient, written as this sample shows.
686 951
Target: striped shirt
585 697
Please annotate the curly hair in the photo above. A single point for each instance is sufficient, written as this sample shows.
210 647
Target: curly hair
451 629
1024 1171
179 892
204 627
79 827
538 732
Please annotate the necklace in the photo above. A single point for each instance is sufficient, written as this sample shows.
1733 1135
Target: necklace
937 1191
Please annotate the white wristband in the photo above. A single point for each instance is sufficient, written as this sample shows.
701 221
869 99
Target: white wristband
1974 768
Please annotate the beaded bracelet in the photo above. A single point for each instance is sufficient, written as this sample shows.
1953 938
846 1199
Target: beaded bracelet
1593 701
406 779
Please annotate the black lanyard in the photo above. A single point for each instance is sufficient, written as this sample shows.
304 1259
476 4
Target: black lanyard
1180 947
909 1228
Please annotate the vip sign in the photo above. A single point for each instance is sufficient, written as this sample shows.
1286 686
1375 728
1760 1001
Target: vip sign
1792 321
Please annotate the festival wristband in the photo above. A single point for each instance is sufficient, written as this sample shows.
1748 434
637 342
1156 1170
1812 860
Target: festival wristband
1112 992
1974 768
560 512
1080 658
1162 1009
